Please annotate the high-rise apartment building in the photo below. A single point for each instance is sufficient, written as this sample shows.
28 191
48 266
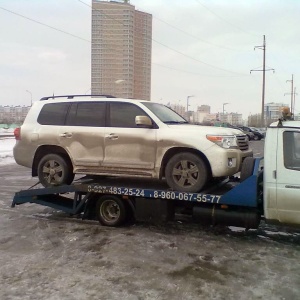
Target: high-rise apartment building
121 50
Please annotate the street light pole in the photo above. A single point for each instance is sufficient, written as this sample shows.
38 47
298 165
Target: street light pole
117 82
187 102
223 107
30 97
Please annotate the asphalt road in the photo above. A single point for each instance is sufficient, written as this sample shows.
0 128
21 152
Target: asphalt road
258 148
46 254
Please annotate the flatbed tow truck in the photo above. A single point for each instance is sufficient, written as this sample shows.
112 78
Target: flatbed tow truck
271 192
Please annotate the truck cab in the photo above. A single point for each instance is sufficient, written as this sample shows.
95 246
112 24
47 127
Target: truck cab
282 173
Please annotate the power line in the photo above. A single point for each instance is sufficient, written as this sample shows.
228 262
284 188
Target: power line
195 59
83 39
43 24
194 73
172 49
197 38
224 20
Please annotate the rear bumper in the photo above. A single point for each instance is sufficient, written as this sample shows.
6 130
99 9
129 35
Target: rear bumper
23 156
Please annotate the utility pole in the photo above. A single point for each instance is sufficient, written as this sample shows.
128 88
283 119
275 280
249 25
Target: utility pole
30 97
263 47
294 102
224 106
292 93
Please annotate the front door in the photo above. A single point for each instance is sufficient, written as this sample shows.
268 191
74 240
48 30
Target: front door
129 149
288 176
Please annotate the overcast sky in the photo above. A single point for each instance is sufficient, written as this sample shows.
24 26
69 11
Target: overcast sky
200 47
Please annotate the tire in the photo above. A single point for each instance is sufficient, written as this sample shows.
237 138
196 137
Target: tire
110 211
186 172
54 170
247 168
256 137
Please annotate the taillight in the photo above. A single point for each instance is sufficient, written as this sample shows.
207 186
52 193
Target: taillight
17 133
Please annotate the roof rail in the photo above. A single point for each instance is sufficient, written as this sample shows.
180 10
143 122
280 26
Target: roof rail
73 96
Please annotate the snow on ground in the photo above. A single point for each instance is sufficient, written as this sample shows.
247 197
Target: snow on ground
6 150
4 131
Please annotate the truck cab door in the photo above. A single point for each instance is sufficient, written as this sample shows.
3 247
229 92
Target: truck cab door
288 176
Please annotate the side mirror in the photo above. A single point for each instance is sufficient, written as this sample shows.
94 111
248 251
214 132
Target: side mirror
143 121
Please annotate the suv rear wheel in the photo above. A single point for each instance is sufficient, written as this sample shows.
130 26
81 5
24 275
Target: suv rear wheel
54 170
186 172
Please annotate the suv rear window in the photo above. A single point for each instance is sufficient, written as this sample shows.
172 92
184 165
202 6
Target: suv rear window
53 114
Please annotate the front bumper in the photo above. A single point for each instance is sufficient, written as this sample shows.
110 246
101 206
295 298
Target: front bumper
227 162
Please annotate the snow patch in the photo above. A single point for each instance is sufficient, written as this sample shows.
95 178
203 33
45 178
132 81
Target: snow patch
6 151
236 229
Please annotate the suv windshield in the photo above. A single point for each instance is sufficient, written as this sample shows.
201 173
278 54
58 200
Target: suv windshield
165 114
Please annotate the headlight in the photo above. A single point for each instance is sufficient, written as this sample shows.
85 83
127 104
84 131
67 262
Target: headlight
227 142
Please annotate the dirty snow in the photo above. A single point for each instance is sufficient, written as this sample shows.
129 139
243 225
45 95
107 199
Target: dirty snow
6 150
46 254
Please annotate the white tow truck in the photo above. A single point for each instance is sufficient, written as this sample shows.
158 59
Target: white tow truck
270 192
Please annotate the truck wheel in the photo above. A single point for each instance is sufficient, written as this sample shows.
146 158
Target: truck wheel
186 172
247 168
110 211
54 170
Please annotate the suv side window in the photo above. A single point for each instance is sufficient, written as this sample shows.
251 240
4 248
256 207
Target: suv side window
123 114
87 114
53 114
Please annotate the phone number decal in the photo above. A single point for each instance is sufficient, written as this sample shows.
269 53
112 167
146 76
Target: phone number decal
156 194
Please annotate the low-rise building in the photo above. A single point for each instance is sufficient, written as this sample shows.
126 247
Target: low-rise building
13 114
273 111
231 118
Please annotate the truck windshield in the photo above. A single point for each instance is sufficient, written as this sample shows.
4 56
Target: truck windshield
165 114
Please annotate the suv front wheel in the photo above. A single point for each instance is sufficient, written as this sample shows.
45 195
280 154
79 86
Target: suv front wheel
186 172
54 170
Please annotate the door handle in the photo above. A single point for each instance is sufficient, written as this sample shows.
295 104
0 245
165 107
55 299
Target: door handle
112 136
66 134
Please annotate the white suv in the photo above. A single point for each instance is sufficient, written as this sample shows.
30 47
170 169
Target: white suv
66 135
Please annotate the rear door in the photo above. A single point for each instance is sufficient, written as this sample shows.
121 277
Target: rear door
129 149
83 134
288 176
